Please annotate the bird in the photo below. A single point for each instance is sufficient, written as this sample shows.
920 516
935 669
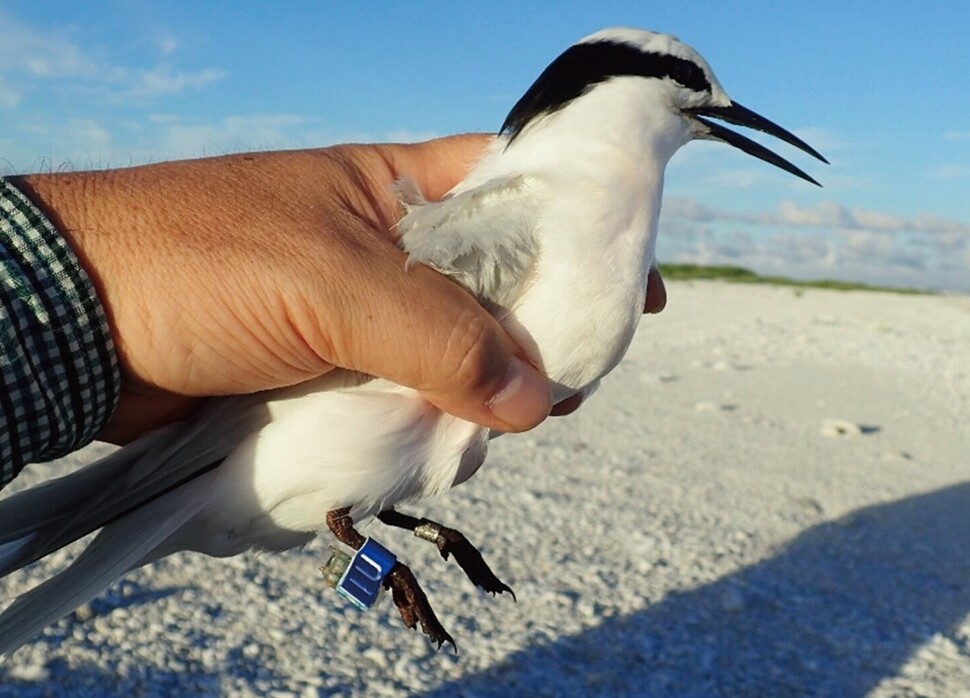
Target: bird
564 203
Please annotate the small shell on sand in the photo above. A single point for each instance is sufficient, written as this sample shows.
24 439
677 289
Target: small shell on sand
839 428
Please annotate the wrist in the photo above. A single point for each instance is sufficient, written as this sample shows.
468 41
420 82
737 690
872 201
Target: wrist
58 367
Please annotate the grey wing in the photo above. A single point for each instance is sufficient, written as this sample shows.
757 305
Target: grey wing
484 238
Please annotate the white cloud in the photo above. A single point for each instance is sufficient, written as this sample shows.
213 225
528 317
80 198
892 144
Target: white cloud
30 56
826 239
93 135
957 136
41 54
824 214
230 134
950 172
9 95
740 178
180 138
682 208
162 118
70 144
56 143
403 135
162 80
168 45
824 140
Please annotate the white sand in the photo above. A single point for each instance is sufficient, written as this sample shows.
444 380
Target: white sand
770 497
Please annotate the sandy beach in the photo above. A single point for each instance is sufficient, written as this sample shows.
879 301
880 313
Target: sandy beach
769 497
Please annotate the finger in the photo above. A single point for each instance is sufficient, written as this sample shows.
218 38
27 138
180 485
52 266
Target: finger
567 406
656 293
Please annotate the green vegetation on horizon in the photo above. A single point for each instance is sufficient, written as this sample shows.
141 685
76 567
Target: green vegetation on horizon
688 272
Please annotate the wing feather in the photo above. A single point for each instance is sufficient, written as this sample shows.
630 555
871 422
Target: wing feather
484 238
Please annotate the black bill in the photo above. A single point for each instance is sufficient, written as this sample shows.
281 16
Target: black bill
742 116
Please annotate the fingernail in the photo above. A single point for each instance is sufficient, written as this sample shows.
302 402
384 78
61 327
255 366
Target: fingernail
524 399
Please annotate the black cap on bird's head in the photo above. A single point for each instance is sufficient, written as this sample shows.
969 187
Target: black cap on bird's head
620 52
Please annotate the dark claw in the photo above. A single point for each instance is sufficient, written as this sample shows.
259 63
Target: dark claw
414 607
471 561
450 542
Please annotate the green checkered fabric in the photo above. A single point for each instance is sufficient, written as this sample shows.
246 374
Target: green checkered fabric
59 377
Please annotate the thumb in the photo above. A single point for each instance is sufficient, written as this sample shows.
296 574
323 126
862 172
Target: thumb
417 328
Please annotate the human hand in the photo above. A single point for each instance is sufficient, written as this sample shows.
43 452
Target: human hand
254 271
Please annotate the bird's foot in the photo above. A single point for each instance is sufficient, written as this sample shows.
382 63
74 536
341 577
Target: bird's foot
414 607
451 542
407 594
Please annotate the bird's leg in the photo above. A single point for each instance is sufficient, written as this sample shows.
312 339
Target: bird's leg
450 541
341 525
408 596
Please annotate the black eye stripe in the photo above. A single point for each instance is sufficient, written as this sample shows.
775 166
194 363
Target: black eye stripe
584 65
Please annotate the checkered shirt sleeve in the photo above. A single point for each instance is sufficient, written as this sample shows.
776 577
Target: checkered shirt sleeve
59 377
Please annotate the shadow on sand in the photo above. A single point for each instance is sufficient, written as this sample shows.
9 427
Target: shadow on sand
838 610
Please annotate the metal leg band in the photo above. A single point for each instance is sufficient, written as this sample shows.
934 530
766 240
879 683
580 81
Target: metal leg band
428 530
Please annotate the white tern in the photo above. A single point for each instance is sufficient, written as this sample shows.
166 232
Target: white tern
553 231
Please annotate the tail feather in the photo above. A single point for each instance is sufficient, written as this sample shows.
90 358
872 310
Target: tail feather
29 510
128 542
45 518
12 552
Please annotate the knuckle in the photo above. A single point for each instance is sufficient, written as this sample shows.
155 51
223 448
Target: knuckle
473 355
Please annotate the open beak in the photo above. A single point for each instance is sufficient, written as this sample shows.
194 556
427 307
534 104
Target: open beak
742 116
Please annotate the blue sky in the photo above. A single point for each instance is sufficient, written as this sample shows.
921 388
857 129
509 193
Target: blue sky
883 90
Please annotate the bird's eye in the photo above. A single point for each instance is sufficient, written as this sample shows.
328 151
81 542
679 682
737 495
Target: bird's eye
688 74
